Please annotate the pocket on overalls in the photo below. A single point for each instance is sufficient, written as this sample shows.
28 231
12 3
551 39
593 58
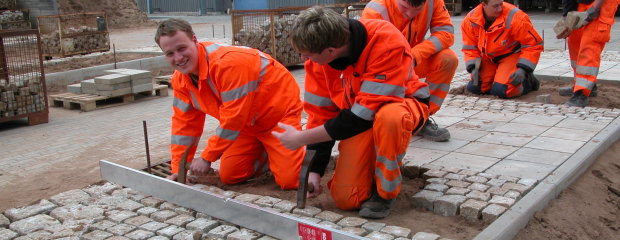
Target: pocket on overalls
602 33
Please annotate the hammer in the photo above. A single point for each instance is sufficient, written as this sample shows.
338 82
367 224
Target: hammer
304 187
184 165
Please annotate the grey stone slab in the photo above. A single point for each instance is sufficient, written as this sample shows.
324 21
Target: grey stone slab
15 214
478 124
75 196
187 234
455 112
247 197
492 116
448 146
522 128
151 202
466 161
466 134
521 169
419 156
112 79
76 212
539 156
285 206
487 149
569 134
478 195
555 144
448 205
502 201
75 88
541 120
549 63
511 139
33 224
446 121
110 87
581 124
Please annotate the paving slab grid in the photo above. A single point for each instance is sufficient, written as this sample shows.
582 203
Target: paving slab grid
506 160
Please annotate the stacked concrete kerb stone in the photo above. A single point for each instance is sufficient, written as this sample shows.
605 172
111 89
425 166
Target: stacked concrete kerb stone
118 82
473 195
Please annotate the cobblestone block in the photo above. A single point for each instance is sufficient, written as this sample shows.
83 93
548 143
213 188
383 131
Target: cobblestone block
425 236
36 235
397 231
499 191
76 212
158 238
352 222
151 202
425 199
451 169
101 225
7 234
476 179
437 180
513 194
146 211
114 238
267 201
247 197
119 216
410 169
487 175
169 231
308 211
222 231
478 187
4 221
457 183
129 193
433 173
492 212
139 234
502 201
69 228
117 202
121 229
448 205
477 195
168 206
436 187
180 220
106 188
528 182
329 216
244 234
355 231
496 182
153 226
457 191
467 172
517 187
379 236
137 220
471 209
188 235
330 224
285 206
509 178
163 215
202 224
310 219
76 196
373 226
267 238
185 211
454 176
16 214
96 235
33 224
203 215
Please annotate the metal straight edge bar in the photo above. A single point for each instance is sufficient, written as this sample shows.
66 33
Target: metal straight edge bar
247 215
508 225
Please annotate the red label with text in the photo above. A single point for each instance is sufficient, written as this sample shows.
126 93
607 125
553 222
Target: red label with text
307 232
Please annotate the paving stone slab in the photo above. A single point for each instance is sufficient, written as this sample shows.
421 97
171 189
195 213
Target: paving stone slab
417 157
308 211
502 201
466 161
163 215
129 193
16 214
492 212
593 126
521 128
33 224
478 195
330 224
455 112
151 202
541 120
448 146
542 156
510 139
36 235
522 169
569 134
118 202
478 124
497 117
437 180
476 179
478 187
188 235
457 191
146 211
442 188
75 196
466 134
247 197
69 228
267 201
285 206
137 220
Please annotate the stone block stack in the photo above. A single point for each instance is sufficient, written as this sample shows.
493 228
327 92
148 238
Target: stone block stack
21 96
118 82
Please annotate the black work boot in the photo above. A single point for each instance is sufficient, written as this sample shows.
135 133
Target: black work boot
376 207
432 132
568 91
578 100
534 82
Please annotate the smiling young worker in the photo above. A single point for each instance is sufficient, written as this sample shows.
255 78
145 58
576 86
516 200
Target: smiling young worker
432 56
501 49
246 90
361 90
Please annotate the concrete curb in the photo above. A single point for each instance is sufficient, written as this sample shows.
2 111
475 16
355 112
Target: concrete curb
512 221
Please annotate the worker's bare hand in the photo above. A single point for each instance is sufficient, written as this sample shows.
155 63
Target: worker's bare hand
314 179
172 177
290 138
200 167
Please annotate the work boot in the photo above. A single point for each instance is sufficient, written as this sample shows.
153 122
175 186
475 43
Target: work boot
578 100
568 91
376 207
432 132
534 81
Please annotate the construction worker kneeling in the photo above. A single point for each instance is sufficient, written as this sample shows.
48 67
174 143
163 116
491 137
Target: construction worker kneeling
501 50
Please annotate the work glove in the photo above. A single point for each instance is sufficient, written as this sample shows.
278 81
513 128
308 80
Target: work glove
475 73
584 17
517 77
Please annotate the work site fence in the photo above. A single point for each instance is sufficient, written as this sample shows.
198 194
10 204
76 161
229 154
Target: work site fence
22 82
8 4
268 30
70 34
14 19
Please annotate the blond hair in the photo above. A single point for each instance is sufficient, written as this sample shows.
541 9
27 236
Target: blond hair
170 26
318 28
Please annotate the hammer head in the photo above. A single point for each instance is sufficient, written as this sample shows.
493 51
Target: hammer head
303 179
184 165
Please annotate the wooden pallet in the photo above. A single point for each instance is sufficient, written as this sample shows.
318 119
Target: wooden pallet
164 80
89 102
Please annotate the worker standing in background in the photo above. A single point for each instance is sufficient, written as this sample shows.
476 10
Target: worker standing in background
433 58
586 41
247 91
501 50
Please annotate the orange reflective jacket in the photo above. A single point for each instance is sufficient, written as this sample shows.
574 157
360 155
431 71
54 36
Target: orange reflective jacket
383 73
243 88
512 32
434 17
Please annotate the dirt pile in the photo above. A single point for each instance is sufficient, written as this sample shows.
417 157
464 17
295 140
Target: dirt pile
120 13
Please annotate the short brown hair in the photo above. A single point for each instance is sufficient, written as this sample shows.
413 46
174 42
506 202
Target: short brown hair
170 26
318 28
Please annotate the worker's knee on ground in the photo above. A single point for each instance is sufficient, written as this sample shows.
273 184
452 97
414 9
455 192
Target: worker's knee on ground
230 179
348 198
394 116
474 89
499 90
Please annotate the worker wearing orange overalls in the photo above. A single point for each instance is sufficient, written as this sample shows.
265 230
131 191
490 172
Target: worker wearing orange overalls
501 50
432 56
247 91
585 44
360 89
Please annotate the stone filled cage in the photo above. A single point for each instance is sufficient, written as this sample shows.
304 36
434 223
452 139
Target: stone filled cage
268 30
22 81
8 4
71 34
14 19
